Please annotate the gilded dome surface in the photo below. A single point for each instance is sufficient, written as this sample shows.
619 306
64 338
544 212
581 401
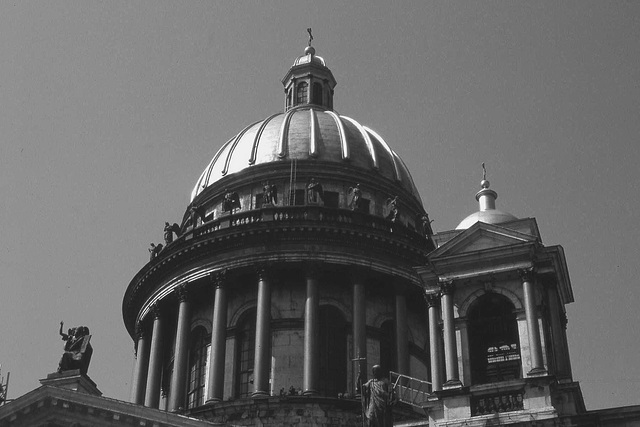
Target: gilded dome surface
306 132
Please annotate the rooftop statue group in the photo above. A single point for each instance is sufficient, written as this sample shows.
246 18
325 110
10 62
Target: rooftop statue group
77 349
314 195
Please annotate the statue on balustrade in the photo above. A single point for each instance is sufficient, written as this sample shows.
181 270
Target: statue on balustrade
315 194
195 212
378 400
231 201
154 250
269 194
77 349
169 229
391 209
426 225
355 197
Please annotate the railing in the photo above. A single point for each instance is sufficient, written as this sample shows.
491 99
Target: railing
282 214
496 403
410 390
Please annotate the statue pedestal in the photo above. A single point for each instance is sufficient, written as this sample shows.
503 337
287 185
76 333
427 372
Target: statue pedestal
72 380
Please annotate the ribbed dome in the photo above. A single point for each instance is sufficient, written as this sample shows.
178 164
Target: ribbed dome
304 133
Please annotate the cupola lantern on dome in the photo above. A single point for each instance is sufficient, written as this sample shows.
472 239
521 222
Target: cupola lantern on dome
309 81
487 203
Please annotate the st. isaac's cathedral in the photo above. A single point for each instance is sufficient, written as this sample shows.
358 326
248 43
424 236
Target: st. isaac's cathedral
304 259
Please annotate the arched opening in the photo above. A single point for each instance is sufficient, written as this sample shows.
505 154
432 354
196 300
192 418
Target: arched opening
494 345
302 93
245 354
333 351
198 356
317 94
387 347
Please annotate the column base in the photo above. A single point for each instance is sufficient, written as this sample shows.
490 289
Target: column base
537 372
212 401
310 393
452 385
259 395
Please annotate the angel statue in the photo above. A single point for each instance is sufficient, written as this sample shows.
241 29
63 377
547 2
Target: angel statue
269 194
154 250
231 201
354 196
391 209
315 194
77 350
169 229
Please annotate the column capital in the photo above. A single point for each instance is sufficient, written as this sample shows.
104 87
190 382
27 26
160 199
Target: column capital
264 272
526 274
357 274
140 332
431 298
182 293
155 310
447 287
219 278
312 269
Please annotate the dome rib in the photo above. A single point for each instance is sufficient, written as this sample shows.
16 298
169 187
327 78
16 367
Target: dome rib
346 154
392 155
256 140
233 147
313 141
284 134
214 161
367 140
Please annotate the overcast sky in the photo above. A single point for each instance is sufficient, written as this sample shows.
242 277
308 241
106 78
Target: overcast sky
109 112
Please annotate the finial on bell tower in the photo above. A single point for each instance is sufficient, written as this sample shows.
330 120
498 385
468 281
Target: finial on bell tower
486 197
310 35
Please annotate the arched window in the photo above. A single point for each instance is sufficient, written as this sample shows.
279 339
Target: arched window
387 347
317 94
245 354
493 340
198 355
302 93
333 351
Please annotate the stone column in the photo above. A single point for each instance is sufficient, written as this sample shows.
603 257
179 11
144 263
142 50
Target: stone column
263 337
434 342
142 365
450 348
181 351
359 326
402 332
218 340
152 393
535 346
311 333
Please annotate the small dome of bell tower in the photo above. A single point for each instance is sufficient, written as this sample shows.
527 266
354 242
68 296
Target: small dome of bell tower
309 81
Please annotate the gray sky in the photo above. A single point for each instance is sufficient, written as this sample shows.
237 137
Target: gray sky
109 112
